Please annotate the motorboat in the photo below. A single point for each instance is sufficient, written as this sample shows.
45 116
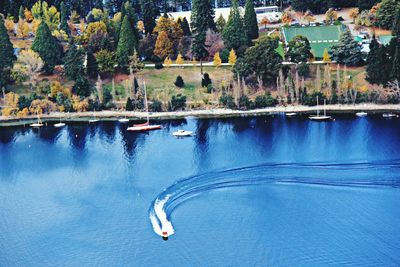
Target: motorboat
144 126
361 114
38 124
165 236
291 114
94 120
182 133
319 117
389 115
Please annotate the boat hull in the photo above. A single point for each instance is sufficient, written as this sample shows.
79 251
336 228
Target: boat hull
320 118
36 125
182 134
144 128
361 114
59 125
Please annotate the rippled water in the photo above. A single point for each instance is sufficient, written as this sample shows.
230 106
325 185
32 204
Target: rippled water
266 191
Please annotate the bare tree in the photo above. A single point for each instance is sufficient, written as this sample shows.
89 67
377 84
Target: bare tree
33 64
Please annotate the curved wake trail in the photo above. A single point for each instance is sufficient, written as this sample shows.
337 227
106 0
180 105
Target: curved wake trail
350 174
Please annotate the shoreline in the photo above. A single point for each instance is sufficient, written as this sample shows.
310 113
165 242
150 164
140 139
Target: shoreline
205 113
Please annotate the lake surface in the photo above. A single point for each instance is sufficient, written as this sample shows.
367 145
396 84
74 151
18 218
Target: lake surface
264 191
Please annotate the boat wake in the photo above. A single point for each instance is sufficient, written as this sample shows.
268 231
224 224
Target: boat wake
348 174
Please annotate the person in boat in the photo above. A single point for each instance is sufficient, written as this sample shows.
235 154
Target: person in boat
165 236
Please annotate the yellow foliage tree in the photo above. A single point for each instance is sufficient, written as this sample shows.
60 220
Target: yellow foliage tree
56 88
331 15
194 62
23 113
265 21
28 15
353 14
33 64
309 17
94 27
179 59
11 104
39 106
9 25
232 57
79 105
217 60
140 25
326 57
167 61
164 46
23 29
286 18
35 25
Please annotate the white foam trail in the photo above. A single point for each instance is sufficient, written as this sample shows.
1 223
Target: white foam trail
159 218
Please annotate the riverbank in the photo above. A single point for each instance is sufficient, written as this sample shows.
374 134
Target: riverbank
211 113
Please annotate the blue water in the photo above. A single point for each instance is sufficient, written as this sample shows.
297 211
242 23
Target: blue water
265 191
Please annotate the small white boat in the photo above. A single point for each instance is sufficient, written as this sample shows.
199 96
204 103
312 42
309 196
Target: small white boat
389 115
182 133
123 120
291 114
93 120
320 117
361 114
38 124
60 124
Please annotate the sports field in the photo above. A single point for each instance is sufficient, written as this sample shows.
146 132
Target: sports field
320 37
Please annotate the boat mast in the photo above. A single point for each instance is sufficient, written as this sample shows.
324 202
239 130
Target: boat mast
325 107
145 101
317 107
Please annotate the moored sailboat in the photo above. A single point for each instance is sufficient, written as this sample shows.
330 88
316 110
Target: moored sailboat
144 126
319 117
39 122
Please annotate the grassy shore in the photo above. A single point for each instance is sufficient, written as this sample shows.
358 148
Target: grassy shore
209 113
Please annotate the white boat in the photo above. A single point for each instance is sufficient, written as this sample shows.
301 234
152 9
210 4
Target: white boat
291 114
123 120
60 124
389 115
38 124
93 120
319 117
361 114
182 133
144 126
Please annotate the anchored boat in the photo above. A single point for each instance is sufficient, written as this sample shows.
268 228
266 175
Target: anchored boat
144 126
319 117
182 133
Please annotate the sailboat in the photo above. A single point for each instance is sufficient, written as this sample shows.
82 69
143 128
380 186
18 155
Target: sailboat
144 126
319 117
39 122
60 124
123 120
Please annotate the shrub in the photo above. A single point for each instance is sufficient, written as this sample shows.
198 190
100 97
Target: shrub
156 106
227 101
129 105
205 81
158 66
245 102
303 70
179 82
177 102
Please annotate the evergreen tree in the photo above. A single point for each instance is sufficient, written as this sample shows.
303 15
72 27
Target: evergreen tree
347 51
130 12
199 48
250 21
150 11
82 87
6 53
73 62
202 16
233 32
64 19
127 43
47 47
91 65
299 49
375 63
395 75
129 105
386 13
220 24
21 14
185 27
179 82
